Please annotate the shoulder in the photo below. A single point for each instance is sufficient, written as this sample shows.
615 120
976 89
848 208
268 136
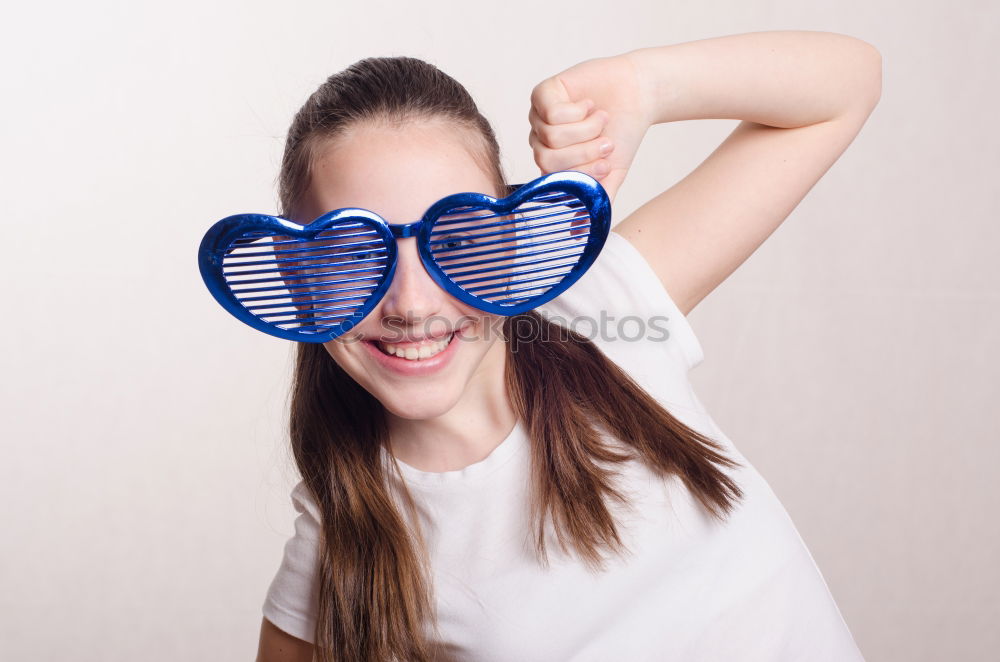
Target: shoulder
291 598
303 501
309 521
620 303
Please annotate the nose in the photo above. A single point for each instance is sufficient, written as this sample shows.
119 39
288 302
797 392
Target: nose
413 297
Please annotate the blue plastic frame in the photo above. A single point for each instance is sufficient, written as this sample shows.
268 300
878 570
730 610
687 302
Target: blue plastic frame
219 238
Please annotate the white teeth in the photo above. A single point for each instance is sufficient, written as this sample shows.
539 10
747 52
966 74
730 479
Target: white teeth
415 353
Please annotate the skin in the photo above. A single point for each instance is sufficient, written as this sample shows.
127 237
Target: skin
801 96
458 415
276 645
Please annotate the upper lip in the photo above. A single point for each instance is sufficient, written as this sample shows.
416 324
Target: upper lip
403 339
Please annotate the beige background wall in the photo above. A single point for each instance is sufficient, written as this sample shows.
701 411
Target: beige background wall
145 476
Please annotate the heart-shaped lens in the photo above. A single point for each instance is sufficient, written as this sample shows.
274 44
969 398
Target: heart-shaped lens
309 284
515 254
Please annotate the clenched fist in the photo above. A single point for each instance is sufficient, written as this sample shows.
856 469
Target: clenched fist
591 118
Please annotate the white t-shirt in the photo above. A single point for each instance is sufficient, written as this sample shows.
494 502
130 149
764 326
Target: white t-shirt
691 588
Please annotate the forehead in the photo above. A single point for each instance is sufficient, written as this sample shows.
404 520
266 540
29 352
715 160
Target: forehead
396 171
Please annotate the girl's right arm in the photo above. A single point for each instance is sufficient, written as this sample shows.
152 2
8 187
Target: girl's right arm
802 97
276 645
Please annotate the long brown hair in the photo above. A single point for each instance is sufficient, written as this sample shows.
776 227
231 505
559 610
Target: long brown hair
375 594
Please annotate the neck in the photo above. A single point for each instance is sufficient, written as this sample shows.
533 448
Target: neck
465 434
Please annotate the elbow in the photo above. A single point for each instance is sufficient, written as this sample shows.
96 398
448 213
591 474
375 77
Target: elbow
870 74
863 85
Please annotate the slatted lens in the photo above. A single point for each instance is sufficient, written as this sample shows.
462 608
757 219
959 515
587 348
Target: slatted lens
507 260
306 285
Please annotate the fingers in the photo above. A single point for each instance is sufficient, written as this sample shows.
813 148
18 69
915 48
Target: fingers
576 145
586 157
553 105
557 136
565 134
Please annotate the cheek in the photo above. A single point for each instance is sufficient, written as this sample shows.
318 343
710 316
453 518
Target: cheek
335 349
482 327
345 349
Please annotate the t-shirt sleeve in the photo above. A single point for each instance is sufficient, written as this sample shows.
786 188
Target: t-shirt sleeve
292 597
621 302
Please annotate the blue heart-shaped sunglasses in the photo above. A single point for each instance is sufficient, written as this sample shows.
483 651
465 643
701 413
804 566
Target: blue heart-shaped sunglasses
315 282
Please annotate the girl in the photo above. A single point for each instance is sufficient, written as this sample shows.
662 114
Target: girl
443 449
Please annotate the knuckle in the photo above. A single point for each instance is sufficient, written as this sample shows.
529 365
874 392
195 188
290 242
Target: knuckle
593 151
536 94
549 114
596 123
543 85
547 134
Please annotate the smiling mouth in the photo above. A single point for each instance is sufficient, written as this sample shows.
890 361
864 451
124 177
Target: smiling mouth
413 352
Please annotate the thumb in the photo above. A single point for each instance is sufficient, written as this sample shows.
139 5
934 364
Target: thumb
553 104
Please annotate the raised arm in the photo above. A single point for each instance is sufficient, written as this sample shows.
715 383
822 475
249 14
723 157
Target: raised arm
802 97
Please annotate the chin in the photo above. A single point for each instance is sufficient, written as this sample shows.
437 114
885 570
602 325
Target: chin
421 406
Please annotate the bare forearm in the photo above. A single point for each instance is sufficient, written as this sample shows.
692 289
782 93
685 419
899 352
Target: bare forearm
784 79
